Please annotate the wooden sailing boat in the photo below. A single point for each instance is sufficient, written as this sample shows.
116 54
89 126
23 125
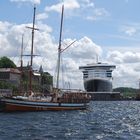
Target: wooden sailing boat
57 100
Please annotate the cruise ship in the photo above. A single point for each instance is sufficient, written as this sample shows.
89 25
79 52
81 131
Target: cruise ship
97 77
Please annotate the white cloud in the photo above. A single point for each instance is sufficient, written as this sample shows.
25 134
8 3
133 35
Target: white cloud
69 5
124 57
31 1
41 16
80 53
129 30
115 56
81 8
127 72
98 13
86 47
87 3
83 51
126 75
4 26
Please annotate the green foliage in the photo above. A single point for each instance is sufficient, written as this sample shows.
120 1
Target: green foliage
127 92
7 85
43 85
46 78
5 62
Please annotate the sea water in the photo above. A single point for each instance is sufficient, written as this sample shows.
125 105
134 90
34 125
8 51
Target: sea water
104 120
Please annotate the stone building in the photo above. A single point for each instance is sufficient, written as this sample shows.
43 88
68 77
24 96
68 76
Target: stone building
10 75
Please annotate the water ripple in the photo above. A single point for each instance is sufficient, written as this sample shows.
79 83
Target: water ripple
117 120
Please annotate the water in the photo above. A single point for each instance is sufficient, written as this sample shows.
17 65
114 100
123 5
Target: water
116 120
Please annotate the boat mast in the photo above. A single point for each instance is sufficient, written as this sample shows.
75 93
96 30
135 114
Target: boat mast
59 48
21 55
32 49
21 64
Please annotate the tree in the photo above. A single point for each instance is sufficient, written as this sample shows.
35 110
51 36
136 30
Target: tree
5 62
46 78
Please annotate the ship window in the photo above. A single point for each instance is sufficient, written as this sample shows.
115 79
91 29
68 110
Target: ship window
109 75
85 72
85 76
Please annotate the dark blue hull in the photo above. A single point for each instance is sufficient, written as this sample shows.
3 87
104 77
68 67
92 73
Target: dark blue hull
98 85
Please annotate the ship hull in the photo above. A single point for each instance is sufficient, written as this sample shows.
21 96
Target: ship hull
20 105
98 85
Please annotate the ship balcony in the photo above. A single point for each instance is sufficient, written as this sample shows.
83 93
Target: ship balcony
97 77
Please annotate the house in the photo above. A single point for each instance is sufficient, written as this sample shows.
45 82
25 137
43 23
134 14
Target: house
10 75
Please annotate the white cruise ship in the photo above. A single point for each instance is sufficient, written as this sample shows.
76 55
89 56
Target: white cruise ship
97 77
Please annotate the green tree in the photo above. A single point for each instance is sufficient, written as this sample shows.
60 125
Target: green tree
5 62
46 78
7 85
127 92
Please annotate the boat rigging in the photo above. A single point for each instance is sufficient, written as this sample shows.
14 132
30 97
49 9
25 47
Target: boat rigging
32 50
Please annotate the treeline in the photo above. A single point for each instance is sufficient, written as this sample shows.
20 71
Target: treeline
6 63
127 92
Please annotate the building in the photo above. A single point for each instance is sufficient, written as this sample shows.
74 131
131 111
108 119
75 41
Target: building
10 75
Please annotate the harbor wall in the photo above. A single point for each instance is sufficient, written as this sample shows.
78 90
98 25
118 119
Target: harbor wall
105 96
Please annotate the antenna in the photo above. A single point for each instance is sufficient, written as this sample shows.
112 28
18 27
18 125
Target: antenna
97 58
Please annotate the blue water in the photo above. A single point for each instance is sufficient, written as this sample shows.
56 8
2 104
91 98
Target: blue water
116 120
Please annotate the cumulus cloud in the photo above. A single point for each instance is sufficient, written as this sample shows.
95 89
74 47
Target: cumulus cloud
129 30
86 47
127 71
81 52
69 5
23 1
126 75
10 38
41 16
4 26
80 8
124 57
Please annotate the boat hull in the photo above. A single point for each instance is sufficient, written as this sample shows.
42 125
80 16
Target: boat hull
20 105
98 85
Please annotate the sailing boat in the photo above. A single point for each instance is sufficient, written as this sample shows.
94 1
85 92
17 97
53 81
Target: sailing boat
57 100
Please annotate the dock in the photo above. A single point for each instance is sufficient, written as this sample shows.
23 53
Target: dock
105 96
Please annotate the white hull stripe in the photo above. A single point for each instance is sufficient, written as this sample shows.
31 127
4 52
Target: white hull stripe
43 104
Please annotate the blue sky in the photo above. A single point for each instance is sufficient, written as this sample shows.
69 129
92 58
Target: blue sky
108 28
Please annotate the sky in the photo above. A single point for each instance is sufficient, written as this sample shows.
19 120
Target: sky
109 29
